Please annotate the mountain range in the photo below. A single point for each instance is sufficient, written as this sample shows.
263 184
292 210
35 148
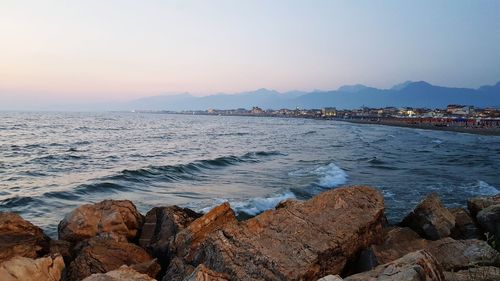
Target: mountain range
413 94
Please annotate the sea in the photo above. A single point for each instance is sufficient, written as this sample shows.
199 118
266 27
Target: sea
51 163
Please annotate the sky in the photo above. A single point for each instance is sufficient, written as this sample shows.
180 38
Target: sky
120 50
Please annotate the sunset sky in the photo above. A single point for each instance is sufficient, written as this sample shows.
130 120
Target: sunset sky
120 50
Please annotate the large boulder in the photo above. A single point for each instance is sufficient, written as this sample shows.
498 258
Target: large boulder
476 273
430 219
476 204
451 254
297 241
161 224
19 237
124 273
202 273
188 240
489 220
415 266
465 228
100 255
27 269
118 219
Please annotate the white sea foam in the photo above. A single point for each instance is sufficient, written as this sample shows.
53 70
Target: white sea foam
437 141
486 189
330 175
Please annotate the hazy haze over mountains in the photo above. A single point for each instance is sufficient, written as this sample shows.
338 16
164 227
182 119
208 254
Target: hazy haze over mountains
415 94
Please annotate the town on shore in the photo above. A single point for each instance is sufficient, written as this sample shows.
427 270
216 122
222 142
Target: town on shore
460 118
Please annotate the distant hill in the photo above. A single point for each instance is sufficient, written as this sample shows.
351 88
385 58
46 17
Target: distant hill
415 94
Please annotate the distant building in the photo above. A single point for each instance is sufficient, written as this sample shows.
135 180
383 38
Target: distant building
257 110
455 109
329 112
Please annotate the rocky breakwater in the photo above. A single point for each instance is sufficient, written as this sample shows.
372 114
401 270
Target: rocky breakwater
340 233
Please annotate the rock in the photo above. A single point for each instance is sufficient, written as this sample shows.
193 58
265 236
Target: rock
430 219
331 278
479 273
118 219
298 241
124 273
19 237
451 254
461 254
188 240
151 268
100 255
489 220
160 227
27 269
414 266
202 273
62 248
465 228
178 270
476 204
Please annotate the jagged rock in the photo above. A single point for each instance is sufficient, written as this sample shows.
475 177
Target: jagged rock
202 273
430 219
27 269
415 266
477 273
451 254
489 220
178 270
19 237
100 255
124 273
465 228
331 278
160 227
188 240
151 268
117 219
303 240
476 204
62 248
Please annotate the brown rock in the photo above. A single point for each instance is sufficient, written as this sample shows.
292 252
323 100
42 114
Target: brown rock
430 219
475 205
27 269
465 228
202 273
188 240
416 266
160 227
124 273
19 237
100 255
477 273
489 220
299 241
62 248
118 219
451 254
178 270
151 268
331 278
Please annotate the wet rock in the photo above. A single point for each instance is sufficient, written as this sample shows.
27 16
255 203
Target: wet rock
299 241
489 220
178 270
415 266
117 219
27 269
100 255
19 237
202 273
476 204
188 240
430 219
124 273
160 227
478 273
465 228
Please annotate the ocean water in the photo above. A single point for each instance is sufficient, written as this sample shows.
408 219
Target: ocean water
51 163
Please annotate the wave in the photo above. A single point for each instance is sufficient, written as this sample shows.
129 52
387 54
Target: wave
330 175
486 189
